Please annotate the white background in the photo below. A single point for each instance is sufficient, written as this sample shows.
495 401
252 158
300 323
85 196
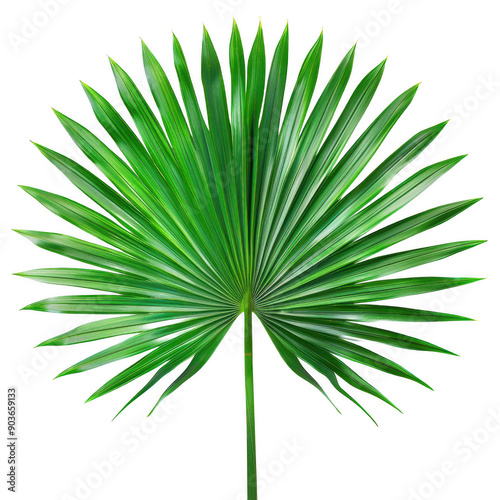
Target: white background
198 451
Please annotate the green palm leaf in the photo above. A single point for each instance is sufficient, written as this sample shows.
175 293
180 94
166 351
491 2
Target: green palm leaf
257 210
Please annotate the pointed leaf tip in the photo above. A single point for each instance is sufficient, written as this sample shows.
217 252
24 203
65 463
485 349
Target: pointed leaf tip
27 189
113 63
87 88
440 126
93 396
380 66
352 51
412 90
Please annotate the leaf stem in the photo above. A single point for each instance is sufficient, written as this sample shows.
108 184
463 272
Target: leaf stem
249 394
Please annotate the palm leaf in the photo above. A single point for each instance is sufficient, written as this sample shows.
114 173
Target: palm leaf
257 209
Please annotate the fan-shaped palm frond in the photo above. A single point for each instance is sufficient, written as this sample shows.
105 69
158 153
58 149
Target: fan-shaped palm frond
255 210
